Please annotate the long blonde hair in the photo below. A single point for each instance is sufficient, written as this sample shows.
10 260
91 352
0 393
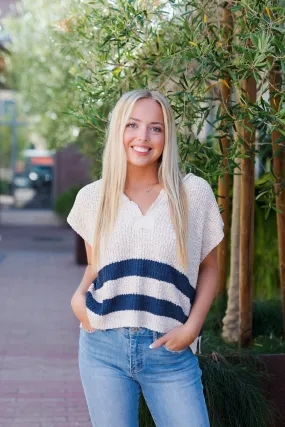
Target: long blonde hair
114 170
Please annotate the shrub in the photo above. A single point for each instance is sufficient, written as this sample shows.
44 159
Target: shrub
65 200
5 187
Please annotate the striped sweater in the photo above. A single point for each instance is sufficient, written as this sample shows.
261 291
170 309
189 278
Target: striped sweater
141 282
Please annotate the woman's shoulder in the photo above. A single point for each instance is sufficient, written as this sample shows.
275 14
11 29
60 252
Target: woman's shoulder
90 190
195 184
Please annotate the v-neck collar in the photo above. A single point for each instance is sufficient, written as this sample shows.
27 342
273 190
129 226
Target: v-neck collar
136 207
156 201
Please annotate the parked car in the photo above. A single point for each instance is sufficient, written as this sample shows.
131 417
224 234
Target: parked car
40 176
22 180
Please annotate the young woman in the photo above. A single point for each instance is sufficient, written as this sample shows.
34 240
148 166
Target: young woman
151 238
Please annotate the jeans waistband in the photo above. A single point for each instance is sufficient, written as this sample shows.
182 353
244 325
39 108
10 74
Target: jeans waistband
127 331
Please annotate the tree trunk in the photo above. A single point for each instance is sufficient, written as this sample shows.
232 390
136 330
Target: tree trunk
224 182
247 222
230 331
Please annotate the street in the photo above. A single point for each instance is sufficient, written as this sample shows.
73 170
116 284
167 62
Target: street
40 384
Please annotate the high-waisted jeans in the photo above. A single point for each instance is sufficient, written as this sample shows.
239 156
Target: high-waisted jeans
117 364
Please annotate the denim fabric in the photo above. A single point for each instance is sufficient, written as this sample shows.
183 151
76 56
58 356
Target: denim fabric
117 364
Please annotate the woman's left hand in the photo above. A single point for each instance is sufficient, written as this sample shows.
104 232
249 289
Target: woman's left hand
177 339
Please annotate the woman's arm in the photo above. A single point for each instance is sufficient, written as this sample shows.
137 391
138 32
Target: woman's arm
206 289
78 300
205 294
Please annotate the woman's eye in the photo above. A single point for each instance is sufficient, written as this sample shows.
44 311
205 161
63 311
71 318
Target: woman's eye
133 125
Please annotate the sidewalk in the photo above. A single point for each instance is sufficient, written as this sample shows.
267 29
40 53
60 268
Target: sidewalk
23 217
40 384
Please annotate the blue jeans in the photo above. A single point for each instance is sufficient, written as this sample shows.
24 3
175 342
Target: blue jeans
117 364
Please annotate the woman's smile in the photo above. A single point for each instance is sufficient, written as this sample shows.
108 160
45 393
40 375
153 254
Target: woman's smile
141 150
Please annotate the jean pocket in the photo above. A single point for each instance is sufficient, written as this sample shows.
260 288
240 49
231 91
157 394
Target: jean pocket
88 332
174 351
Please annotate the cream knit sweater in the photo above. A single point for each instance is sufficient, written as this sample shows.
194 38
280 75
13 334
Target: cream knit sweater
141 281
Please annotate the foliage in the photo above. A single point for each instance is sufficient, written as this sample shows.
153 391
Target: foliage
65 201
261 344
240 377
182 51
266 327
267 318
100 49
215 316
6 143
38 68
5 187
266 259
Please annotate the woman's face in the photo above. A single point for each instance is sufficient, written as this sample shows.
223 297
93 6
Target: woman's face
144 131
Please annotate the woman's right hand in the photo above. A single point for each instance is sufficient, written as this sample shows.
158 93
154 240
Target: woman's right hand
78 304
86 325
78 301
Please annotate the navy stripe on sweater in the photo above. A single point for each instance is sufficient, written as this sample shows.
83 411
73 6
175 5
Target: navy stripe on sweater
145 268
136 302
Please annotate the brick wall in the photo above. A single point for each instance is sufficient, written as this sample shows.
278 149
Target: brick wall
71 168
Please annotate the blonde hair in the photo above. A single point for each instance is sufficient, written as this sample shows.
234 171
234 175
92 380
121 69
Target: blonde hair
114 171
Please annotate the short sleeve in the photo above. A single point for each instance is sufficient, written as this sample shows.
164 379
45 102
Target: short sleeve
79 216
213 224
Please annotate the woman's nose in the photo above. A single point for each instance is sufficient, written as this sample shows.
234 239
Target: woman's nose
143 134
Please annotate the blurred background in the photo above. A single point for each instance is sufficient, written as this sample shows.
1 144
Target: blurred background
39 266
63 65
32 174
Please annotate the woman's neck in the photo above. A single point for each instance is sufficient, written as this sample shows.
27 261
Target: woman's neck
139 177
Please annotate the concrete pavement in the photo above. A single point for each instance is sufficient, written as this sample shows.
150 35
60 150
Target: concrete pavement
27 217
39 377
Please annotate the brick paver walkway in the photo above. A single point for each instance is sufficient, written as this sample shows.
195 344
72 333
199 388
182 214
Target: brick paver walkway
40 384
